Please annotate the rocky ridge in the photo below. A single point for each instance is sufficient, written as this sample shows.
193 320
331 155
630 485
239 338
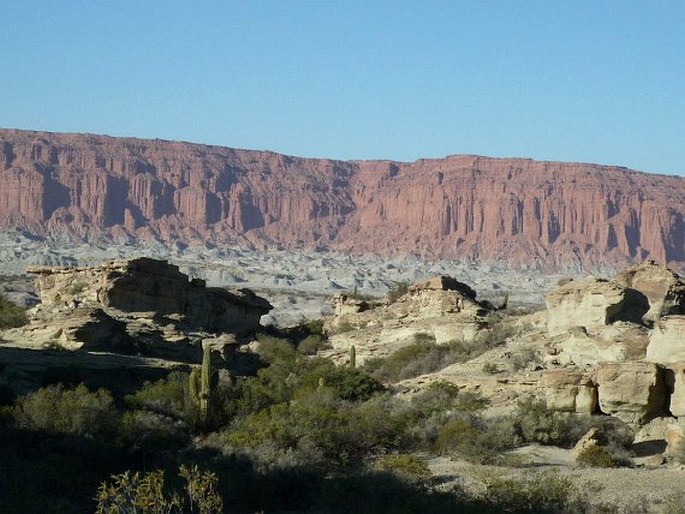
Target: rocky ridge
600 346
519 211
141 307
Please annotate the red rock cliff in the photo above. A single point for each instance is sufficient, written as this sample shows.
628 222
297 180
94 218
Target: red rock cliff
517 210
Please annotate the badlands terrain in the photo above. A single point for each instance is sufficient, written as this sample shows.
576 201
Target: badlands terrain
475 327
299 284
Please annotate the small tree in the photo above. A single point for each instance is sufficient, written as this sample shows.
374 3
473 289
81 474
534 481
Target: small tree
144 494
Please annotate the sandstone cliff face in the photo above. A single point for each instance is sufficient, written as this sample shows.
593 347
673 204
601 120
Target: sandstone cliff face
515 210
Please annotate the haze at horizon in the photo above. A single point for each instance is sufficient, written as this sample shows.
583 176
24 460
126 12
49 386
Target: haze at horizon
597 82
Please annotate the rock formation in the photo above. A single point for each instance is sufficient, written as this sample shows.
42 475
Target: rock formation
441 310
512 210
133 305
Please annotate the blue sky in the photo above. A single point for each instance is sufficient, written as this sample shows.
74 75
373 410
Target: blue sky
592 81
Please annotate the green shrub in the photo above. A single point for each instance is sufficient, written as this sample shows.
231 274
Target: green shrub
490 368
11 314
475 439
596 457
535 423
167 396
348 383
273 348
533 492
404 465
421 357
318 430
424 337
78 411
312 344
443 396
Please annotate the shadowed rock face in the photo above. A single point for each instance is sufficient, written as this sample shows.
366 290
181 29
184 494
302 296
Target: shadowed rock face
514 210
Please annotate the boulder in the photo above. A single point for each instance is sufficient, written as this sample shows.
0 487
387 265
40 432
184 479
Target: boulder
589 440
667 340
634 392
664 289
592 303
674 436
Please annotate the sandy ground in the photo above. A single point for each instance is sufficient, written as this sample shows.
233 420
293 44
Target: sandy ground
641 489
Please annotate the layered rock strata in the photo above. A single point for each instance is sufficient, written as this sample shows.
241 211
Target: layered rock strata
512 210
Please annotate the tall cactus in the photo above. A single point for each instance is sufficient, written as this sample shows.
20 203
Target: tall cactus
353 357
201 383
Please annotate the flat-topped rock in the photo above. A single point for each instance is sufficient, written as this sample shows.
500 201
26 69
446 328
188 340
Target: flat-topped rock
151 288
592 303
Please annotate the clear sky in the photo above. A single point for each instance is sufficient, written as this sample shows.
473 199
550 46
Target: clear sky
572 80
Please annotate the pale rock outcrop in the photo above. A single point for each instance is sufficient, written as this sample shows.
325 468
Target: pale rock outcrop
138 306
154 287
442 309
569 390
667 340
634 392
346 304
664 289
674 437
592 303
618 342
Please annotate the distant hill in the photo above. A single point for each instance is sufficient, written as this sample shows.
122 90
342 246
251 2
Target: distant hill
519 211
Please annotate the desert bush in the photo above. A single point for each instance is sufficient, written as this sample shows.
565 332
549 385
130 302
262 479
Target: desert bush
150 433
312 344
145 494
596 457
77 411
167 396
397 290
424 337
533 492
273 348
674 504
535 423
319 430
476 439
348 383
490 368
443 396
421 357
404 465
11 314
523 356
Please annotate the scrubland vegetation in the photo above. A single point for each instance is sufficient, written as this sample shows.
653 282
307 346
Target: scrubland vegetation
301 435
11 315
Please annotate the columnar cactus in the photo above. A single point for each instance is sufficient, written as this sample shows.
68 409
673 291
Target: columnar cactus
353 357
201 382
